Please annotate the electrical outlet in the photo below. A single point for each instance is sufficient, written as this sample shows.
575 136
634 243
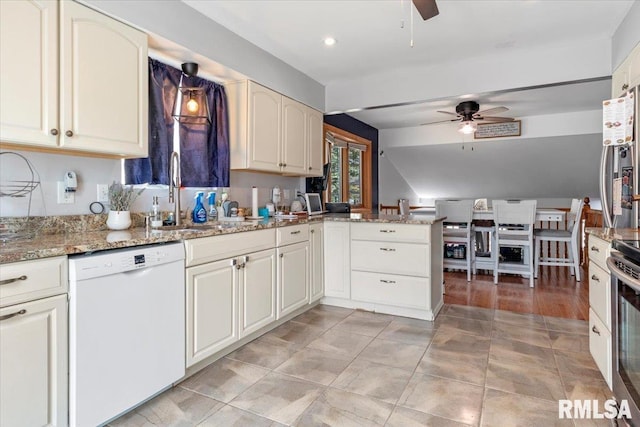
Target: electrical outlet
65 197
287 194
103 192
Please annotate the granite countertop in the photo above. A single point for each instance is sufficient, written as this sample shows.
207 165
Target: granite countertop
609 234
49 245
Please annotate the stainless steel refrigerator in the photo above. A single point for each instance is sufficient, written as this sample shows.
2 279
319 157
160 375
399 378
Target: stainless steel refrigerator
621 162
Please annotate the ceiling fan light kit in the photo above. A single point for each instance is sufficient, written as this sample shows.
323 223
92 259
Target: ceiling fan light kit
467 127
468 113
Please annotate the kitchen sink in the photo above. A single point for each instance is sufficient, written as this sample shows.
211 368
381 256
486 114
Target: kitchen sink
187 228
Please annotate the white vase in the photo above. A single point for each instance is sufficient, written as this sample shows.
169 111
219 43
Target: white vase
119 220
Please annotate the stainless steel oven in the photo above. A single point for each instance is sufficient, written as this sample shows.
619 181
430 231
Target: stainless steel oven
624 264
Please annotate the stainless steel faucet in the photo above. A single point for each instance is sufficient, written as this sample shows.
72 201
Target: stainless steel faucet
174 185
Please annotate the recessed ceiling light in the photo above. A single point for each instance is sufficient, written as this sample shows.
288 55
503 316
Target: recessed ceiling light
329 41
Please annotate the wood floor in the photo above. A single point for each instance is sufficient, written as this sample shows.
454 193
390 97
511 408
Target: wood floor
556 293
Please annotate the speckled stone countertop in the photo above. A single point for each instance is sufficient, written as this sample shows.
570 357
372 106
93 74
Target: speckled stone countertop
609 234
81 241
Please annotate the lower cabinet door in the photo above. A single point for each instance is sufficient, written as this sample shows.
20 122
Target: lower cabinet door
33 363
293 278
257 290
600 346
212 308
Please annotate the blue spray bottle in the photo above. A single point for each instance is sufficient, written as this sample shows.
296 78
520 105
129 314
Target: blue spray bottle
199 212
211 200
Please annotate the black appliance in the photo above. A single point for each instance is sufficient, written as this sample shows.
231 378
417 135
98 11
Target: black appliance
319 184
341 207
624 264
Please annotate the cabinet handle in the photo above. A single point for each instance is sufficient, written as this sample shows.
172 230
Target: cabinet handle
69 133
295 232
281 255
595 330
15 279
388 249
387 231
625 86
54 131
310 168
312 231
595 278
387 281
594 249
17 313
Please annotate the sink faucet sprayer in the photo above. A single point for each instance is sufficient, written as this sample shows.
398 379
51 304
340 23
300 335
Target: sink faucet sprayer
174 185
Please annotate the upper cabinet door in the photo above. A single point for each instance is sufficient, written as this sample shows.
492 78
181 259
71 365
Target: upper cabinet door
315 120
264 130
294 137
104 91
29 72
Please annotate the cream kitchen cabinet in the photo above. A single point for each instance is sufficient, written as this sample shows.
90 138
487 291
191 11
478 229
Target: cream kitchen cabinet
316 262
315 159
627 75
270 132
73 81
33 343
293 268
337 266
600 306
231 290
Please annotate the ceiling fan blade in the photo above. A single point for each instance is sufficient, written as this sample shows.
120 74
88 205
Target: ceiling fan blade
494 119
440 121
426 8
492 111
447 112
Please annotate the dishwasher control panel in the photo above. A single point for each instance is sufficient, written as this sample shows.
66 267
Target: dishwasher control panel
121 260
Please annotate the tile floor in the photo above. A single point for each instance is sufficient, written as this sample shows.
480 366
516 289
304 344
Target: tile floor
338 367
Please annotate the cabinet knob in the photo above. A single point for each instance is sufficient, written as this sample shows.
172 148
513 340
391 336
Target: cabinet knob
310 168
69 133
281 255
594 249
625 86
595 330
54 131
284 165
313 231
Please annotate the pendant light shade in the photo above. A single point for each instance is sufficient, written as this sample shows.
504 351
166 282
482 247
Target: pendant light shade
467 127
191 104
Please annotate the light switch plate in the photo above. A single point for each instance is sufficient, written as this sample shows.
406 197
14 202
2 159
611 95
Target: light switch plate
103 192
64 197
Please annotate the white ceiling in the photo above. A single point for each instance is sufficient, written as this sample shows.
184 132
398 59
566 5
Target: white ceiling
370 39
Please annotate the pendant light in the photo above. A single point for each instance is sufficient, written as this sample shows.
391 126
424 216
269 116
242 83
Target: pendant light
467 127
191 104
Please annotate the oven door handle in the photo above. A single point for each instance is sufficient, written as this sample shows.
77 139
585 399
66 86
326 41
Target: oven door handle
627 279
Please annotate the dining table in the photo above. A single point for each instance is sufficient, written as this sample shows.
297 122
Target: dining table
542 214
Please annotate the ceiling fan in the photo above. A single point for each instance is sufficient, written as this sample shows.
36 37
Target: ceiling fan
426 8
468 112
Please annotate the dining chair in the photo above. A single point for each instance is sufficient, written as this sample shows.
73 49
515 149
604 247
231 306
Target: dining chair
457 230
514 220
570 237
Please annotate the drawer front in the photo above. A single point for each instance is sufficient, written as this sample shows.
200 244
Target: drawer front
292 234
600 293
402 291
29 280
207 249
600 346
393 258
599 251
386 232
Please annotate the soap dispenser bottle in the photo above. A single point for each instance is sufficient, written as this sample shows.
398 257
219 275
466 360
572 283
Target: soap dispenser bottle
156 217
211 200
199 212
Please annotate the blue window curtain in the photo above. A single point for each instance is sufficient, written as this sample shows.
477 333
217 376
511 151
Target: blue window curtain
204 149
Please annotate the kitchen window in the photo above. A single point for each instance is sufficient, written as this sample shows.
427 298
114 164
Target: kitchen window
350 177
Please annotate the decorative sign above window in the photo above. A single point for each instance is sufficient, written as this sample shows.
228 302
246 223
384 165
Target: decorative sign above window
497 130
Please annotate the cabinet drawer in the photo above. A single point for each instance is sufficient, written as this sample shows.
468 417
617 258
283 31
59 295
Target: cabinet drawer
600 293
600 346
292 234
207 249
29 280
599 251
402 291
387 232
387 257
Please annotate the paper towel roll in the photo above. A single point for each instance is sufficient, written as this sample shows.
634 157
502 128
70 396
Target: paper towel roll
254 201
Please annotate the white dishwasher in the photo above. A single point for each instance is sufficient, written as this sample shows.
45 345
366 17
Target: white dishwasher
126 329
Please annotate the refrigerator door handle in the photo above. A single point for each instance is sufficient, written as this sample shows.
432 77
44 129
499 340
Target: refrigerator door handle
604 197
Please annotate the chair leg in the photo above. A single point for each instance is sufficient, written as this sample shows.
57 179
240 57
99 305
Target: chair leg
531 268
576 261
536 257
495 263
